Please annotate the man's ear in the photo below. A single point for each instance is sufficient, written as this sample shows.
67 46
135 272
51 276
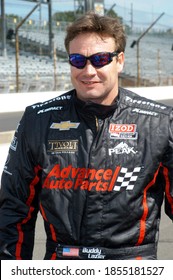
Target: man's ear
120 62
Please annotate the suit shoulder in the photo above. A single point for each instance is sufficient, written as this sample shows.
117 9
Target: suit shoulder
139 103
57 103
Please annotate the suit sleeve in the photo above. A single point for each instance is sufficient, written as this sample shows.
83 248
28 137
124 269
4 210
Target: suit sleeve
19 198
168 172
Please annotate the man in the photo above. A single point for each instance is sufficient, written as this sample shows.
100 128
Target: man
96 161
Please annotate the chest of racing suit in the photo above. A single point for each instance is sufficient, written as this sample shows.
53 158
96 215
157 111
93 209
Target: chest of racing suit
98 175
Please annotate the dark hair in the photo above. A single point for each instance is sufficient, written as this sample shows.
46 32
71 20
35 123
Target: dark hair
102 25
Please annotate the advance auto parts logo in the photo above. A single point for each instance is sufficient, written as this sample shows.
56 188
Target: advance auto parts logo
90 179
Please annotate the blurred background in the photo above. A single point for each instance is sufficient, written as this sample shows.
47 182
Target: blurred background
32 53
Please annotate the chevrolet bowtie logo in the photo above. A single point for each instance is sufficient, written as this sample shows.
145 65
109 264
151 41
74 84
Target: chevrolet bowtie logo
64 125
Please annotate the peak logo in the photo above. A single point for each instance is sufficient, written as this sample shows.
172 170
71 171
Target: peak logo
122 148
89 179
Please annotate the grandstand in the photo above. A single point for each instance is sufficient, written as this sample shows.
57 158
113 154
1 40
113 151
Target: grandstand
38 71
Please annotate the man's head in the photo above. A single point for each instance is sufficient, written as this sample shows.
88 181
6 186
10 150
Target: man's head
96 45
102 25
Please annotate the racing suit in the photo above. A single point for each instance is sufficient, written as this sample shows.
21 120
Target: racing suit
98 175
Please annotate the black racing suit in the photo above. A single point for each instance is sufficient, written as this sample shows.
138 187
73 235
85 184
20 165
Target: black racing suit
98 175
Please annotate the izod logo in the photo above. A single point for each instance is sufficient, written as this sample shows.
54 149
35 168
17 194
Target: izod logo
123 131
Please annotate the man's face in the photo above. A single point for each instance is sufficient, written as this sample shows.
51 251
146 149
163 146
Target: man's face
99 85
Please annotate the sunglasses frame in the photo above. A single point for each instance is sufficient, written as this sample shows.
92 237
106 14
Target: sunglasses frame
111 55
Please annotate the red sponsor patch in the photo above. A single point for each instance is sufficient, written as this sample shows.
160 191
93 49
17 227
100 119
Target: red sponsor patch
123 131
118 128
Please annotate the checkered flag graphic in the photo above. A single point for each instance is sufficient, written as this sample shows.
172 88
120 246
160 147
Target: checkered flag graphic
127 179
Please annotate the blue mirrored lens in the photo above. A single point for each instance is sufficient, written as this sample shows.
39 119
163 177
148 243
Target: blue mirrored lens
77 60
100 59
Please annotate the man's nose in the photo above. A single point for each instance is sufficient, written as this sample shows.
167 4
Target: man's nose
89 68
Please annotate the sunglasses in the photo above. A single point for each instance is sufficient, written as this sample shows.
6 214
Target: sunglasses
98 60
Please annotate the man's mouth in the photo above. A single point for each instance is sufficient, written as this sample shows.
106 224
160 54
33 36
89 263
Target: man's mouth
89 83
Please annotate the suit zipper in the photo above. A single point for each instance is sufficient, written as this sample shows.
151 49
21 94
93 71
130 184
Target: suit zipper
97 123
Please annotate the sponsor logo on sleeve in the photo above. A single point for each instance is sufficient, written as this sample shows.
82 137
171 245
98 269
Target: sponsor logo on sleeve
145 112
57 108
145 103
6 165
14 143
58 98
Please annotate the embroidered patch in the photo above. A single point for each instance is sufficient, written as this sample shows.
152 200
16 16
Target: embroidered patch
64 125
123 131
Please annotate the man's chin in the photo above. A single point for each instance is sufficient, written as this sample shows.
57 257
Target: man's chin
90 96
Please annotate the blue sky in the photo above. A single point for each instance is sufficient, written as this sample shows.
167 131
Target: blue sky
143 10
157 6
